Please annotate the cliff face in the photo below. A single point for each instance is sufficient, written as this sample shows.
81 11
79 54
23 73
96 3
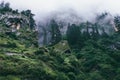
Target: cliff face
17 26
14 21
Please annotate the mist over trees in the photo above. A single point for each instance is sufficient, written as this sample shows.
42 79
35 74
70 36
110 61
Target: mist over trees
103 26
58 49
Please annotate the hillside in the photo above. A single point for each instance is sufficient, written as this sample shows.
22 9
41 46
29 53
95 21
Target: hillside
21 60
88 51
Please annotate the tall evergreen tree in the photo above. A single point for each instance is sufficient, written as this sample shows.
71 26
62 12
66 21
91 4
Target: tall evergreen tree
74 37
55 32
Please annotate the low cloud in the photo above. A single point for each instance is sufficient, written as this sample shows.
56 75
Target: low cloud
84 8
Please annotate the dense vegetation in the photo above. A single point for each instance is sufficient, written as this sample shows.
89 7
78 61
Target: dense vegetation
87 52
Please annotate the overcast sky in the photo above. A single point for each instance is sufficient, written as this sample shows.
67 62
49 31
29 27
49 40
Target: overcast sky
85 7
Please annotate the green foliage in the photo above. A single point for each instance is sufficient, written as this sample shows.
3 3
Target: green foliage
55 32
74 36
94 55
32 23
5 7
10 77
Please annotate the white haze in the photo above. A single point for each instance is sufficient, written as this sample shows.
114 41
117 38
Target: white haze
73 11
84 8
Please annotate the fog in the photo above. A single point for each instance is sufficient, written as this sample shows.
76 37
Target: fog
68 11
84 8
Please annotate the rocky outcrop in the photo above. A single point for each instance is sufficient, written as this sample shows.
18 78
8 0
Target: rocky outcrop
15 21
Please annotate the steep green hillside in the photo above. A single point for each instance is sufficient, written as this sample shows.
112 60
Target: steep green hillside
22 59
88 52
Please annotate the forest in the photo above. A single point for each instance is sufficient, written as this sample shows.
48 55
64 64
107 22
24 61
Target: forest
85 51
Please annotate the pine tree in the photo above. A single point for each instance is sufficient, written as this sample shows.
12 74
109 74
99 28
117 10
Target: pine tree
74 37
55 32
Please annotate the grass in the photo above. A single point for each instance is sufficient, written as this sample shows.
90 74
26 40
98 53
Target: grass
61 46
